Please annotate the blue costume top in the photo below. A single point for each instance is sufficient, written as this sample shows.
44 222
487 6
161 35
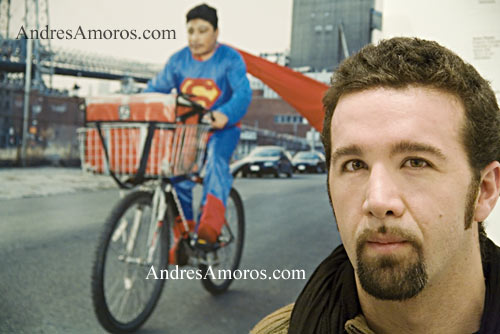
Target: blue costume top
219 81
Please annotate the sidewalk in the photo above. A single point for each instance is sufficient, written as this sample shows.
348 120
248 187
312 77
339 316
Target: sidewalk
44 181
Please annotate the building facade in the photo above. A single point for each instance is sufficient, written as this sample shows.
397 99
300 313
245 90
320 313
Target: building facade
325 31
272 121
51 133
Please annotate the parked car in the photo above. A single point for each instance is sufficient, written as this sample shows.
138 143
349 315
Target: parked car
273 160
310 161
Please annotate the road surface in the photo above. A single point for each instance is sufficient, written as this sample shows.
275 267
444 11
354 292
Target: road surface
47 245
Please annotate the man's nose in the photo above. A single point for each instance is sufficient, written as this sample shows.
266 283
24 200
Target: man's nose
383 195
193 37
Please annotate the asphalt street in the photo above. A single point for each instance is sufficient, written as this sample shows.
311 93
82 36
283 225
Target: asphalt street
47 246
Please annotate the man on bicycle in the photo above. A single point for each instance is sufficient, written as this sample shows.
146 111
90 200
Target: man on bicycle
216 75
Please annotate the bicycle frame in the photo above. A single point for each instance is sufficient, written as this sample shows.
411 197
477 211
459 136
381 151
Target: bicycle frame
166 187
138 232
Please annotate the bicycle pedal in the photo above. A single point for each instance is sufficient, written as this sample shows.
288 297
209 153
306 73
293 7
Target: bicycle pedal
205 246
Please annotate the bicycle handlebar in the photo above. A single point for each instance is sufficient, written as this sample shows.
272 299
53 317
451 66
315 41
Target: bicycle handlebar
185 100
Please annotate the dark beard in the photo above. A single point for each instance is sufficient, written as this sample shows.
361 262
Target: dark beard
391 277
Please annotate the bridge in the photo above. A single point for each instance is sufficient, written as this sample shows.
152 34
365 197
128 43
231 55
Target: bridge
47 61
66 62
38 120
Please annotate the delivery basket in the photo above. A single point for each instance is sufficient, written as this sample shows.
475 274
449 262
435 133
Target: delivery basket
142 136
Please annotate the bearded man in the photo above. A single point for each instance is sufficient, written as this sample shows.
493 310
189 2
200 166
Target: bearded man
412 141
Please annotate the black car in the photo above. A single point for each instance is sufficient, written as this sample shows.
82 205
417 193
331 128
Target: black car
310 161
263 160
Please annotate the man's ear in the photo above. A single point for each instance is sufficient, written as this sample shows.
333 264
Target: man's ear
488 192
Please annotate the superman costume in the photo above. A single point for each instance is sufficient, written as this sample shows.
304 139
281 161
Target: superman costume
219 83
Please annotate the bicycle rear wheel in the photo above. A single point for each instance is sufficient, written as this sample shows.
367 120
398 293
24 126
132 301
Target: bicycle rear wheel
132 244
224 261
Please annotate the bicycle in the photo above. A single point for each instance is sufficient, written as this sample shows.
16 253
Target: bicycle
137 235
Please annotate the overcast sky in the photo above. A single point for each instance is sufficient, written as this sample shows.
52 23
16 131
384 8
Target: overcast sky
255 26
265 25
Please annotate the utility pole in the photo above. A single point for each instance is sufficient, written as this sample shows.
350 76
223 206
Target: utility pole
36 14
26 107
343 41
4 18
312 136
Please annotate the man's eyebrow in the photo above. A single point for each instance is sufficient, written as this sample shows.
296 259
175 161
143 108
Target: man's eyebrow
408 147
346 150
401 147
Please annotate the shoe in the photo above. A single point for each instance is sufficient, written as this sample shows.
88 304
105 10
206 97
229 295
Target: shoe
177 254
208 233
212 219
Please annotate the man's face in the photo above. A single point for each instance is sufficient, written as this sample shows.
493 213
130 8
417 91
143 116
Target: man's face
400 185
202 37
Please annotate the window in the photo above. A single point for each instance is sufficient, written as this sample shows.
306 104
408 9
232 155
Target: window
289 119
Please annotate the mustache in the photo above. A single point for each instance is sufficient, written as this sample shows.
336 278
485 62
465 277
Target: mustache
388 230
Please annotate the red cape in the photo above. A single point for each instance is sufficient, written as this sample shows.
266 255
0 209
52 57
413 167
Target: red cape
301 92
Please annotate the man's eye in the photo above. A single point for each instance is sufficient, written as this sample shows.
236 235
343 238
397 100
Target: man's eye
416 163
354 165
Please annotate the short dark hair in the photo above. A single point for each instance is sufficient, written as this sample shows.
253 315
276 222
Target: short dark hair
401 62
204 12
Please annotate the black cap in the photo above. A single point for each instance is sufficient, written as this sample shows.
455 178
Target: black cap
204 12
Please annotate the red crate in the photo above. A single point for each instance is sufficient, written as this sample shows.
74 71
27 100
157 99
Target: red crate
175 148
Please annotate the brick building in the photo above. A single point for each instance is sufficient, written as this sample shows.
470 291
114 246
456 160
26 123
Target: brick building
52 124
272 121
276 115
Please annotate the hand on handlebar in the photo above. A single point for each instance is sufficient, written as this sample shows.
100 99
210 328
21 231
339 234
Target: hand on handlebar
216 119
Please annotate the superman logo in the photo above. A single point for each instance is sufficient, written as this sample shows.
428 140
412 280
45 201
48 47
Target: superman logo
205 90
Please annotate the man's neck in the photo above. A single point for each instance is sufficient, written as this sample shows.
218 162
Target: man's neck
451 303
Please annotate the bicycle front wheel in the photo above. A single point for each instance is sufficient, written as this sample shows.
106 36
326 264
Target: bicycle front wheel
131 253
223 262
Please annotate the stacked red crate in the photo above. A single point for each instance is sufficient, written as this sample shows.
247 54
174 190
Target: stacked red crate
125 143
